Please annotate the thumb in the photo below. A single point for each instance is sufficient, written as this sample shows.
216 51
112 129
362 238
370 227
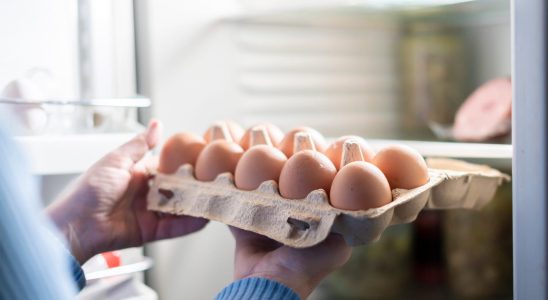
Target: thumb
137 147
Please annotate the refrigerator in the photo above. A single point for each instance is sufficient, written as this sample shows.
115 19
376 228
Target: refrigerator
392 70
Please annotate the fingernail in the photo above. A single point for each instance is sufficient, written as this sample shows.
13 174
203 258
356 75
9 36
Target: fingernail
153 132
152 124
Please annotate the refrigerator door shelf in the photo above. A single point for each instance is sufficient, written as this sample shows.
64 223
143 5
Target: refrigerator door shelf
68 154
136 267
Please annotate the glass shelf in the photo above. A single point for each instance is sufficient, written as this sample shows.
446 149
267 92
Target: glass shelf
452 149
495 155
265 9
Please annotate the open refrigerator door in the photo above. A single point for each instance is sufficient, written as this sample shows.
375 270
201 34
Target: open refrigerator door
68 94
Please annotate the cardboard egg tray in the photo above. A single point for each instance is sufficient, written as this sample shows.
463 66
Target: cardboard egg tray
307 222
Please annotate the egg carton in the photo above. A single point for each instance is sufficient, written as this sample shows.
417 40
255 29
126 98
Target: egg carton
306 222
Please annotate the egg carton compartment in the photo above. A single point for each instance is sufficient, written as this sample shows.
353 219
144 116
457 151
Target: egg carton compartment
306 222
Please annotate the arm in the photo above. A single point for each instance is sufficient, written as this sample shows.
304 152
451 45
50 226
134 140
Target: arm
33 265
257 288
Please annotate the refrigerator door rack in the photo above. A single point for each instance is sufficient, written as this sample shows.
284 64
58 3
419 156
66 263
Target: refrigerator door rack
136 102
74 116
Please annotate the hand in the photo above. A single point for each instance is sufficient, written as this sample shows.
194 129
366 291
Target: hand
299 269
106 207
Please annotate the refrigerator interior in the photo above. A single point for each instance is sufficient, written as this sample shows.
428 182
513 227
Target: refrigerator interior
341 68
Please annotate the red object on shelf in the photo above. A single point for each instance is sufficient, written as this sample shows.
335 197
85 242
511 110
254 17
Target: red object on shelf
112 259
487 113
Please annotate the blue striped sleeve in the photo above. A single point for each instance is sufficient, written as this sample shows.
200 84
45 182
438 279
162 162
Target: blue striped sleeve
256 289
77 272
32 264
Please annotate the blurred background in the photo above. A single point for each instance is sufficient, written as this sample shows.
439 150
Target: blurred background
397 69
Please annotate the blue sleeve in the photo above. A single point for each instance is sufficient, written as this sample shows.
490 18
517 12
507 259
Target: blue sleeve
77 272
256 289
33 265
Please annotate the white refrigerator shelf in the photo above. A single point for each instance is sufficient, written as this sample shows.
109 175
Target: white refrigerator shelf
452 149
68 154
71 154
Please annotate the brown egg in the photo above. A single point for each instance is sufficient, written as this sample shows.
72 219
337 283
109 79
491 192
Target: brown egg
287 144
235 131
360 185
334 151
275 135
259 164
307 170
403 166
218 157
181 148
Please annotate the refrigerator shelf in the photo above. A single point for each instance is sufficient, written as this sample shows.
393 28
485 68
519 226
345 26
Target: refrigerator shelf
498 156
452 149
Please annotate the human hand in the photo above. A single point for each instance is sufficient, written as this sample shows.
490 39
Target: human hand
105 209
299 269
